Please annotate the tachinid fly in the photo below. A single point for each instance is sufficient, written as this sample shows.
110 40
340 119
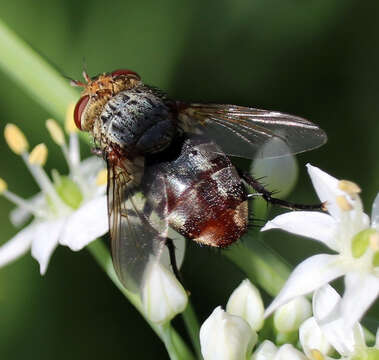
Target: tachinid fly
169 167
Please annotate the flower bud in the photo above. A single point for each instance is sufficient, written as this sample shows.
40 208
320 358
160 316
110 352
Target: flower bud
266 351
247 303
312 338
226 337
288 352
290 316
163 296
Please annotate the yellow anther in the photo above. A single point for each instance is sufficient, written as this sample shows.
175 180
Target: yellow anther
349 187
38 155
15 139
3 186
343 204
374 241
316 355
55 131
70 126
102 177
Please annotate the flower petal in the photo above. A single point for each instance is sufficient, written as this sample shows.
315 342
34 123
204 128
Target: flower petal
375 213
311 337
45 241
361 290
326 187
327 312
17 246
311 224
86 224
289 352
19 215
308 276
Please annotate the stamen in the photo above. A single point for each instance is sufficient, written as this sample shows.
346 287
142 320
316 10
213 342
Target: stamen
70 126
3 186
55 132
316 355
102 177
38 155
15 139
17 200
349 187
343 204
374 241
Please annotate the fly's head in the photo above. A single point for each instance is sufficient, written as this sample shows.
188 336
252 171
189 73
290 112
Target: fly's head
97 91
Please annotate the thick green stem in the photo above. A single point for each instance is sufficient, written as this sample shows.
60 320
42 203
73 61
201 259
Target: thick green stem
34 74
175 346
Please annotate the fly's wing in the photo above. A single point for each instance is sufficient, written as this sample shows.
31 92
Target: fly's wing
137 237
243 132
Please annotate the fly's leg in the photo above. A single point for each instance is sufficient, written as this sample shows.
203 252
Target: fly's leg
171 250
267 195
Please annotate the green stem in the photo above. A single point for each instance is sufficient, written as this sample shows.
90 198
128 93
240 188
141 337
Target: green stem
43 83
175 346
193 328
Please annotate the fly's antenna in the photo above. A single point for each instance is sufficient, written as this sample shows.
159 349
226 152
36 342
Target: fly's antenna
73 82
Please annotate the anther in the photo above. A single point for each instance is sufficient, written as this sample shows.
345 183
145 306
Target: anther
55 131
69 125
3 186
102 177
349 187
38 155
343 204
15 139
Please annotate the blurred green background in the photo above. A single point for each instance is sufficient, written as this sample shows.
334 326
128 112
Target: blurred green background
318 59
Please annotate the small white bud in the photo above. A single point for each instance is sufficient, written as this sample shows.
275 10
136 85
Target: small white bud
288 352
266 351
312 338
290 316
163 296
247 303
226 337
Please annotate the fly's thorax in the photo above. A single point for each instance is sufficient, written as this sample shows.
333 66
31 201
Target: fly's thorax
138 121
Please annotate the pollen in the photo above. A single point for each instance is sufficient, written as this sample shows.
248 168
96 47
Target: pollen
3 185
69 125
15 139
343 204
55 131
349 187
316 355
102 177
38 155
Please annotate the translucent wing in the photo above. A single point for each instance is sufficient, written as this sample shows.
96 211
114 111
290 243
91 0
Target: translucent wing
242 131
137 237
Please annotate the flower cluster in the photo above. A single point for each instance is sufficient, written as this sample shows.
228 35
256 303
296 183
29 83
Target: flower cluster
234 333
69 210
347 231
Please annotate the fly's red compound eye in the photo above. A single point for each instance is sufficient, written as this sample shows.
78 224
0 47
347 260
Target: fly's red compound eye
79 108
124 72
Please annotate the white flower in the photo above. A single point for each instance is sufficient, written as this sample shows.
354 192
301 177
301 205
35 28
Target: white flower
329 328
265 351
247 303
226 337
346 230
163 296
289 317
70 210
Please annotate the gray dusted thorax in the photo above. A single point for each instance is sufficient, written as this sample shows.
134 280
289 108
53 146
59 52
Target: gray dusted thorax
138 121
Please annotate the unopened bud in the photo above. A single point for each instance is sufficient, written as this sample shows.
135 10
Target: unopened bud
247 303
289 317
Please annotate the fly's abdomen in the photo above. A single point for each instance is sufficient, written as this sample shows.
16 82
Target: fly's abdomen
138 121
